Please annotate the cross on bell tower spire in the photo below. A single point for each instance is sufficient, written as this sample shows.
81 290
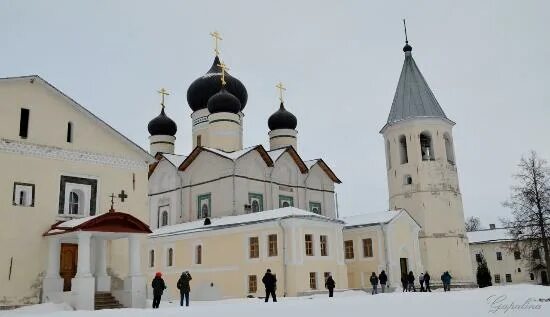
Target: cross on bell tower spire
281 90
163 92
217 37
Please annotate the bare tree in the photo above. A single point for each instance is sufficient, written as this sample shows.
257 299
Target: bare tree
530 205
473 224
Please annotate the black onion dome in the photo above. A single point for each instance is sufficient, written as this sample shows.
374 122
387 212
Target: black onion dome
162 125
208 85
407 47
282 119
224 101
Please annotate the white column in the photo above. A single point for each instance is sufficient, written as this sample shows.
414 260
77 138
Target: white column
52 285
103 281
135 257
53 258
83 268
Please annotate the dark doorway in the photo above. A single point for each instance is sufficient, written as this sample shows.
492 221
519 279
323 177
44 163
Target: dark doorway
404 266
544 277
67 267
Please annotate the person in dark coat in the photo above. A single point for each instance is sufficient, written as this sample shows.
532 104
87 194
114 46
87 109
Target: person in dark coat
330 284
184 287
158 286
410 282
383 278
270 283
446 280
374 283
421 281
404 282
427 281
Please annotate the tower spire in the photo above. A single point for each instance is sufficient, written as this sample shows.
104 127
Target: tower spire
217 37
407 47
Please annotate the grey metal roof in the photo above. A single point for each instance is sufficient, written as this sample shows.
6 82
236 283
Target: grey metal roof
413 97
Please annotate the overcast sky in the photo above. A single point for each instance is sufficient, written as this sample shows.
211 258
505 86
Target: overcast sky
487 63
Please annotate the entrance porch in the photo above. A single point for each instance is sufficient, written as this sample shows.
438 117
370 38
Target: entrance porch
83 242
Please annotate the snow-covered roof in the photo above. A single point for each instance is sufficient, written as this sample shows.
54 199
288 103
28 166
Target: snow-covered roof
111 221
240 220
489 235
75 222
310 163
232 155
371 218
175 159
275 154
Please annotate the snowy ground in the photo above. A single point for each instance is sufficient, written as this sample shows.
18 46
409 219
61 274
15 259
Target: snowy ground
516 300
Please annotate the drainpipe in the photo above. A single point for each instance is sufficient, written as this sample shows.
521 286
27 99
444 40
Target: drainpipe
386 250
181 195
279 222
336 200
234 195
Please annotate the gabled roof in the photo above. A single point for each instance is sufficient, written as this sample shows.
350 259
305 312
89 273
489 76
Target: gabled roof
413 97
107 222
276 154
173 159
374 218
233 156
240 220
38 79
325 168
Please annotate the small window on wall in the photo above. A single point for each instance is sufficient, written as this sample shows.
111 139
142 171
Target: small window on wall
74 203
272 241
324 245
199 140
152 258
367 248
348 249
198 254
315 207
313 280
170 259
23 194
407 180
164 221
508 278
204 206
309 244
254 247
256 202
69 132
24 123
252 284
497 278
517 255
499 256
286 201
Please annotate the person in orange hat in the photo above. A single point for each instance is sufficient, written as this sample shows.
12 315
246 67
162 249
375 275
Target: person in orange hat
158 288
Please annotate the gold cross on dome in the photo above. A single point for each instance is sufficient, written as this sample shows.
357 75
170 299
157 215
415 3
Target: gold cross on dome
163 92
281 89
224 69
217 37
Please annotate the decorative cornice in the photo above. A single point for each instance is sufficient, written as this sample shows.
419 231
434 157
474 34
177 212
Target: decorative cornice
57 153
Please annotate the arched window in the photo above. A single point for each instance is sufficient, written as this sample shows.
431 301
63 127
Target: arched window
164 221
286 204
198 255
74 203
407 180
152 258
255 206
426 146
403 149
449 149
22 198
170 259
388 154
69 132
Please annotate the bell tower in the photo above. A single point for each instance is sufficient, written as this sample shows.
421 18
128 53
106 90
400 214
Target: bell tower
422 174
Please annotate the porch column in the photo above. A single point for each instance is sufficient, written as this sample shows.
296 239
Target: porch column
52 285
134 284
103 281
83 284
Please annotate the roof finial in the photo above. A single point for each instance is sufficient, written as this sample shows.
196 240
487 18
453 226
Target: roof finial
407 47
112 203
224 69
217 37
163 92
281 89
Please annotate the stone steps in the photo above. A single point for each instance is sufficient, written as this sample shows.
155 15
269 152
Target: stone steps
104 300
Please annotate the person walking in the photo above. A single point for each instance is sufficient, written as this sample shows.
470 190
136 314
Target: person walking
184 287
410 281
330 284
270 283
374 283
421 281
158 286
383 279
427 281
446 279
404 282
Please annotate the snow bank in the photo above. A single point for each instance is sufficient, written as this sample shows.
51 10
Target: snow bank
37 309
515 300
